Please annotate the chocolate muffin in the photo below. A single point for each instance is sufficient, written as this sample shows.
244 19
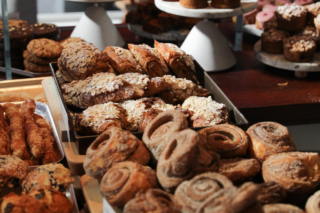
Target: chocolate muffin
291 17
272 41
299 48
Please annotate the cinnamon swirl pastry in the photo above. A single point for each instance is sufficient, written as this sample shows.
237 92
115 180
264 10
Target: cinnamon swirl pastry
297 172
268 138
191 194
182 159
281 208
123 180
113 146
152 201
271 192
227 140
313 203
239 170
160 129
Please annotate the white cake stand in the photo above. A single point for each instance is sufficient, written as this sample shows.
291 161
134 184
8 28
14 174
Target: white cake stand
205 42
95 26
277 60
252 29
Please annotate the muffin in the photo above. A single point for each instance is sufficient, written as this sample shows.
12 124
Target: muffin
291 17
299 48
310 32
225 3
272 41
313 12
194 4
250 18
317 24
13 203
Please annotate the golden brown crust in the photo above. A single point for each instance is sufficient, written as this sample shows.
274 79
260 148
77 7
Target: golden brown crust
281 208
12 171
44 48
227 140
271 192
69 41
297 172
150 59
152 201
313 203
122 60
117 184
113 146
239 170
60 78
268 138
4 135
36 60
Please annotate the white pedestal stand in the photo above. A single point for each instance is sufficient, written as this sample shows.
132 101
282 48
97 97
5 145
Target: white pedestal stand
277 60
95 26
205 42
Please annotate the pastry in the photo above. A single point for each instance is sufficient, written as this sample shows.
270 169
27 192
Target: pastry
303 2
4 135
250 17
29 66
317 24
182 159
269 138
153 26
122 60
153 200
161 129
53 201
134 17
205 111
81 60
172 22
150 59
113 146
190 194
12 171
310 32
312 205
69 41
45 30
148 8
98 118
50 176
225 3
256 207
36 60
104 87
263 18
18 35
194 4
15 23
272 41
44 48
297 172
13 203
281 208
291 17
299 48
180 89
271 192
60 79
117 184
239 170
178 61
227 140
313 12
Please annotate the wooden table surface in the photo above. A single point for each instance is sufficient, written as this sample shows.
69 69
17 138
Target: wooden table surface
261 92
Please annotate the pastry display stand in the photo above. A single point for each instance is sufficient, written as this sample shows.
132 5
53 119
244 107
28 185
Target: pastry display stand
252 29
95 26
205 42
277 60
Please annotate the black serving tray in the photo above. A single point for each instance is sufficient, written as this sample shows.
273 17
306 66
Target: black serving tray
83 142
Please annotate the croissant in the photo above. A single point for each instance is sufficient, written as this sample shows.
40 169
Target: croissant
152 201
297 172
227 140
182 159
313 203
271 192
239 170
191 194
122 60
268 138
178 61
113 146
281 208
160 129
150 59
123 180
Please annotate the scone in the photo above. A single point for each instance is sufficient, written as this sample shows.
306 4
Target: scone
53 201
299 48
194 4
12 171
291 17
225 3
50 176
272 41
13 203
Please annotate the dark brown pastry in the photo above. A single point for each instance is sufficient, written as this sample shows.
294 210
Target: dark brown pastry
182 159
313 203
227 140
153 26
269 138
191 194
194 4
113 146
172 22
239 170
161 129
272 41
122 60
45 30
310 32
153 200
15 23
299 48
13 203
271 192
225 3
18 36
12 171
313 12
123 180
178 61
281 208
297 172
4 135
291 17
150 59
134 17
